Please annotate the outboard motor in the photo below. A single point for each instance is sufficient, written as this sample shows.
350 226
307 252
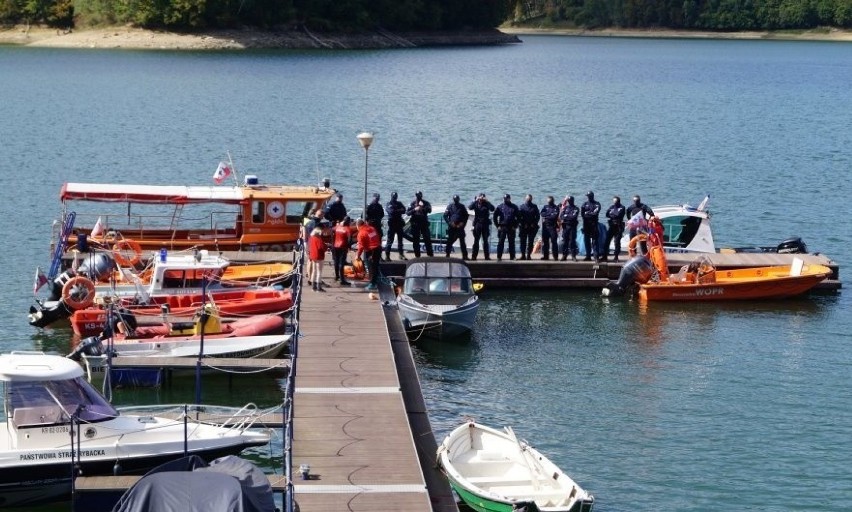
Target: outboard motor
96 265
793 245
638 269
91 346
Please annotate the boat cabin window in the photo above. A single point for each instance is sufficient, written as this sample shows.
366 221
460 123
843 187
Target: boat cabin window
39 403
679 230
258 212
188 278
438 285
297 211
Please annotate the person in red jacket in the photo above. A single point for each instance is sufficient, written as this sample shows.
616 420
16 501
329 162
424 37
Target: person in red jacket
316 253
340 249
369 245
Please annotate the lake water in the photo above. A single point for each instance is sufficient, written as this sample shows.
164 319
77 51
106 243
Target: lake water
678 407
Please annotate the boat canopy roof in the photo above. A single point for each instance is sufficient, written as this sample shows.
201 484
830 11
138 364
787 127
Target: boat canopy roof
437 267
37 366
175 194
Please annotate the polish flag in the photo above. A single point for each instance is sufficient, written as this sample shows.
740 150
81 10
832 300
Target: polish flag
222 172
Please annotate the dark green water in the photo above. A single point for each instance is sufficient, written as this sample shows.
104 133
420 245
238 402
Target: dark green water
679 407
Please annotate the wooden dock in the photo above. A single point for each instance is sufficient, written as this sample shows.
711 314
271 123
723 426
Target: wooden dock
538 273
352 410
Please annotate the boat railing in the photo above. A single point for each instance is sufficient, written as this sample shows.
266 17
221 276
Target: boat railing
220 223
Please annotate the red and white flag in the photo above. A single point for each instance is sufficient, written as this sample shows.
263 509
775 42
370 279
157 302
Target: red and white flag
222 172
40 280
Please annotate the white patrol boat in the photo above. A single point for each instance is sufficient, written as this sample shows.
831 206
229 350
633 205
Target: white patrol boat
57 425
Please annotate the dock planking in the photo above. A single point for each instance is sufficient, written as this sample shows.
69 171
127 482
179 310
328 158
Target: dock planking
351 423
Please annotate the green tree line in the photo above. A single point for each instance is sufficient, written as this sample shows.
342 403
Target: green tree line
412 15
328 15
716 15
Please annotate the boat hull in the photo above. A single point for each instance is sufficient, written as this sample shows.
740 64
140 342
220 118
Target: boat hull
43 483
437 321
261 301
494 471
739 284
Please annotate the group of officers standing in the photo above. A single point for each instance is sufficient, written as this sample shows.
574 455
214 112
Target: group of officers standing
511 221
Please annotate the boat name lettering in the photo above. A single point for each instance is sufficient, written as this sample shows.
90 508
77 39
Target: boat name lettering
62 455
55 430
710 291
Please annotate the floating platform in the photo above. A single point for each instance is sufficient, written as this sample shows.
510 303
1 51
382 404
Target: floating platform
538 273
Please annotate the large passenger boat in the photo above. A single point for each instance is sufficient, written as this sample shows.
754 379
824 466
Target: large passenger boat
248 217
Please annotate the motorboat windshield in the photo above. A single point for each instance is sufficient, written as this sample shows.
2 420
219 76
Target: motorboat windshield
437 277
53 402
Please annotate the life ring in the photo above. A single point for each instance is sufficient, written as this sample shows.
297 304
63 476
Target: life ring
78 293
631 246
122 247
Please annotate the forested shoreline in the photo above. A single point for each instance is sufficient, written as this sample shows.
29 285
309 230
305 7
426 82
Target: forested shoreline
355 16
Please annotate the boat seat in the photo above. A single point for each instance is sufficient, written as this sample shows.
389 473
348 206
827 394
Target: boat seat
502 480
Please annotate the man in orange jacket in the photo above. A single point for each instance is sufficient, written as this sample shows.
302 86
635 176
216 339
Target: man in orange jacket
370 245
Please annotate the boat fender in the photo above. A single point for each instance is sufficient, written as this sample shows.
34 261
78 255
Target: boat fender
121 249
78 293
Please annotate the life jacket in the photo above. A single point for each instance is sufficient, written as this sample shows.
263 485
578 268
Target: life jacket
341 236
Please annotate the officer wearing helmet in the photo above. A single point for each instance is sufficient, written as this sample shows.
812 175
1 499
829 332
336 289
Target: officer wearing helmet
590 212
395 210
506 220
418 212
456 216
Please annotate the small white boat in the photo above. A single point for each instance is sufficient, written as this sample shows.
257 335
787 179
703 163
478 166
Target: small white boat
438 298
492 470
54 419
267 346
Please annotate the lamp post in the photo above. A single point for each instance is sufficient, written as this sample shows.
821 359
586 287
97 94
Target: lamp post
366 139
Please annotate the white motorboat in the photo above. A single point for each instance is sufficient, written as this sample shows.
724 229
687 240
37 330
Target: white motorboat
56 420
686 229
493 470
438 298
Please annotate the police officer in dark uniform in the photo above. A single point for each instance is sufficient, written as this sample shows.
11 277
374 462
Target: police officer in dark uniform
419 211
528 225
482 209
456 216
549 219
569 217
395 210
615 229
636 207
590 211
506 220
336 211
375 213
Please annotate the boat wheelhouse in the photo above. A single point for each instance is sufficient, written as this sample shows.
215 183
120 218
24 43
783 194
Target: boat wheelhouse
226 218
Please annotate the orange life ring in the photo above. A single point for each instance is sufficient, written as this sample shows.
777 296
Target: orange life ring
122 247
631 246
78 293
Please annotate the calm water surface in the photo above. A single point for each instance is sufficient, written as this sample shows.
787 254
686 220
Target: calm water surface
678 407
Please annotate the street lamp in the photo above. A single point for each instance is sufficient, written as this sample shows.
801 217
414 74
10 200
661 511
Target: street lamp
366 139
